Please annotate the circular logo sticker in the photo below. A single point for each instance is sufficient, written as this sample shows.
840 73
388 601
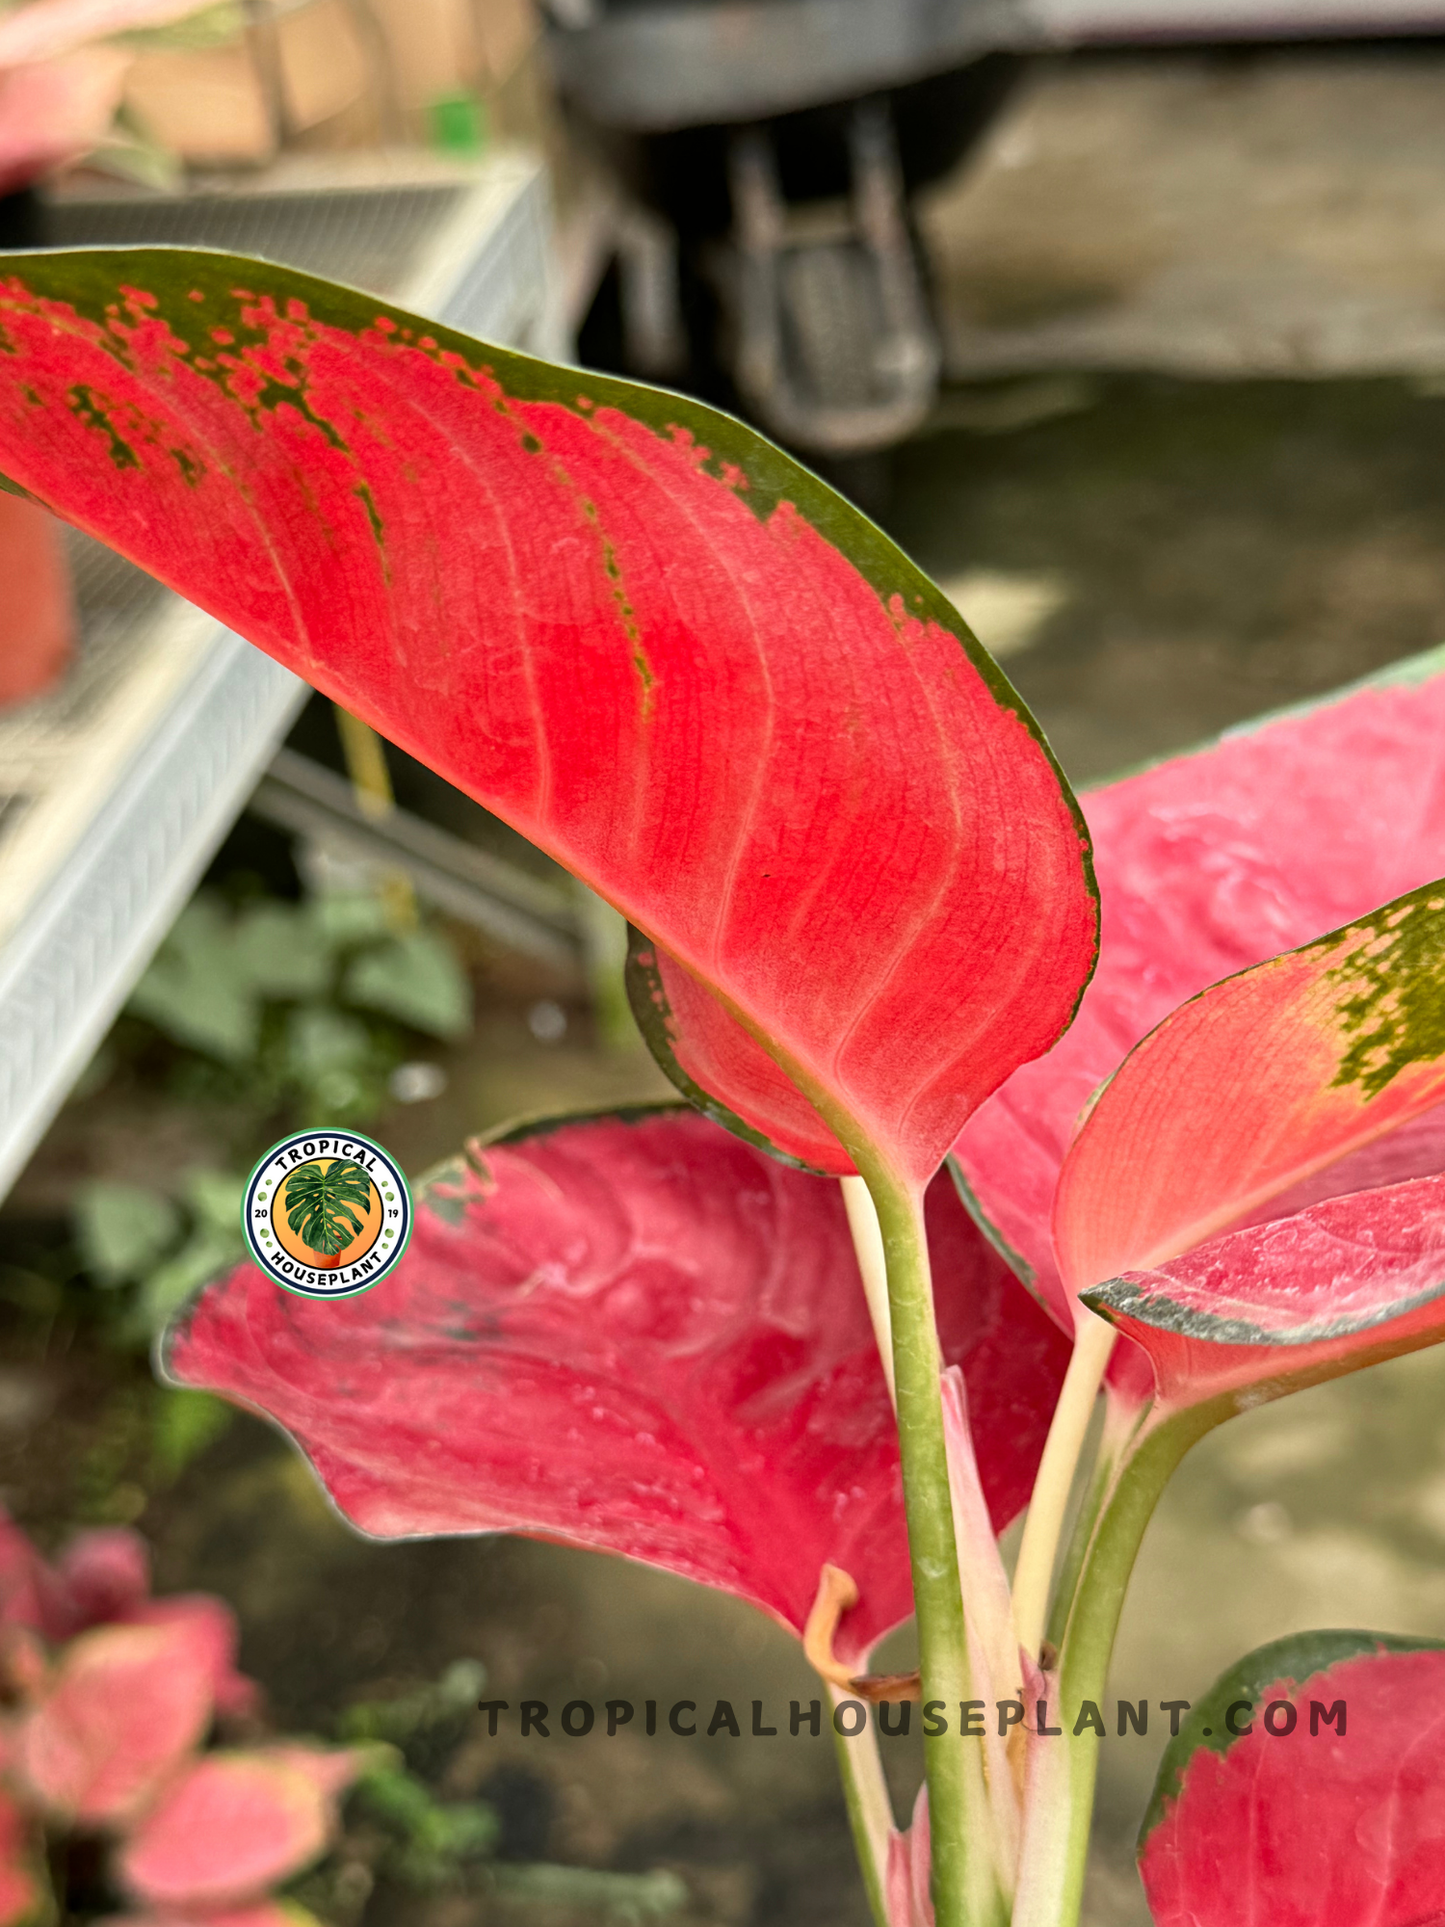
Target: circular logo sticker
326 1213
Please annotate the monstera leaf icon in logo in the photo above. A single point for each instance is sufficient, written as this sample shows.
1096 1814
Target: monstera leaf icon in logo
321 1203
327 1213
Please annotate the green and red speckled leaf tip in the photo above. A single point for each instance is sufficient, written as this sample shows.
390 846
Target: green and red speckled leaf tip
1228 1197
1322 1808
1254 1088
641 1335
627 624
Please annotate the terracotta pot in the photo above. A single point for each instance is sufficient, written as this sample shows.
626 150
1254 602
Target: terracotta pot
37 609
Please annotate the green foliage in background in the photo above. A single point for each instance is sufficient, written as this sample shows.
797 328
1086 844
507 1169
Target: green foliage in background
430 1841
421 1711
144 1437
281 1015
428 1844
161 1247
295 1006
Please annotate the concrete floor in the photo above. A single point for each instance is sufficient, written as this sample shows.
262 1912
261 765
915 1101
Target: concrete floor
1260 212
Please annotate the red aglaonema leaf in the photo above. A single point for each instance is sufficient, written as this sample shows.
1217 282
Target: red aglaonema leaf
1210 863
120 1713
625 623
103 1578
44 30
21 1888
637 1334
1284 1304
269 1913
1239 1105
1307 1789
1255 1086
234 1825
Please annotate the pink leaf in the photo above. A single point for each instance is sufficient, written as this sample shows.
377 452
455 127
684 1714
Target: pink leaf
1207 864
1287 1303
234 1825
647 639
121 1711
270 1913
642 1336
103 1578
22 1578
909 1874
98 1577
212 1624
42 30
101 1575
56 112
21 1890
1307 1825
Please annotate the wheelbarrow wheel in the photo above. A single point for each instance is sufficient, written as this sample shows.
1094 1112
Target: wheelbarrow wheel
831 322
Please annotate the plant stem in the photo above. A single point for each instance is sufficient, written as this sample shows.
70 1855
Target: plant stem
870 1812
1113 1446
1039 1547
604 951
1093 1623
965 1889
873 1266
366 765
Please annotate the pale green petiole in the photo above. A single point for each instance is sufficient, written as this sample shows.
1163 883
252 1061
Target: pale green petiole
1049 1504
1121 1422
1056 1843
870 1812
873 1267
965 1890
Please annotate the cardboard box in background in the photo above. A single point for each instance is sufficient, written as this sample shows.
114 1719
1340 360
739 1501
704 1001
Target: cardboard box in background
321 74
439 48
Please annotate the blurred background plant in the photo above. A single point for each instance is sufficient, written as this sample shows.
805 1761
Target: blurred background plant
282 1014
64 66
112 1791
143 89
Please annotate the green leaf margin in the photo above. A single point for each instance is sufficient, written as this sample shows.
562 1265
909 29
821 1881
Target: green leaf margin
653 1015
441 1189
1298 1658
